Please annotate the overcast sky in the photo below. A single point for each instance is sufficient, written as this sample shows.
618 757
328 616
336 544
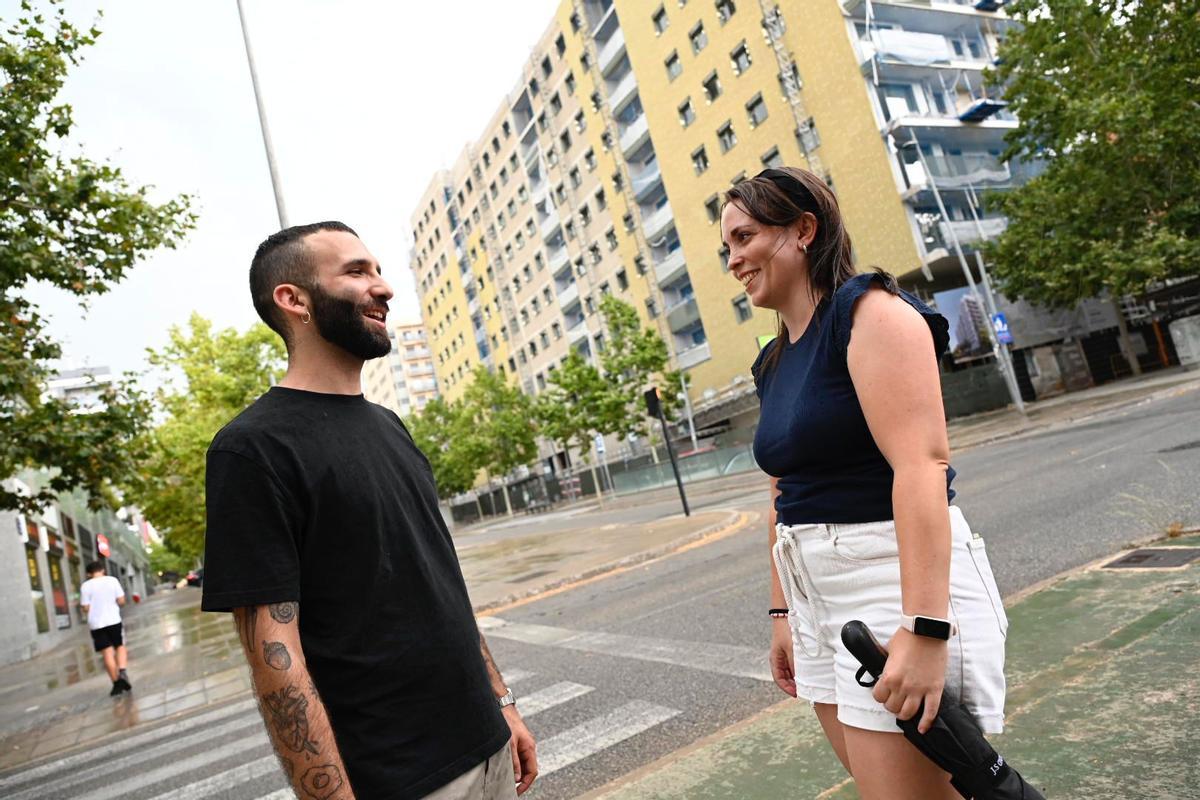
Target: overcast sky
365 99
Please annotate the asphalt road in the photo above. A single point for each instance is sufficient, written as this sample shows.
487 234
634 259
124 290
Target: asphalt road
619 672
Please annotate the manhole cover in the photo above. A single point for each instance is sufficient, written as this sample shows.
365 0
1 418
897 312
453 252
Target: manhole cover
1178 447
1156 558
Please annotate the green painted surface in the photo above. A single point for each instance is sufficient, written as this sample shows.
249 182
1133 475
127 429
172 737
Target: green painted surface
1104 701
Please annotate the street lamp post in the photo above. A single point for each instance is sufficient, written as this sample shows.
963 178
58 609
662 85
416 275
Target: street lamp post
262 121
1003 357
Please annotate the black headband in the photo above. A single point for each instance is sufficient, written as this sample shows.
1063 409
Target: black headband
791 186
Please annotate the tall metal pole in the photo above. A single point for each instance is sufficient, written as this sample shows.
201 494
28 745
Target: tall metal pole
1001 353
687 406
262 121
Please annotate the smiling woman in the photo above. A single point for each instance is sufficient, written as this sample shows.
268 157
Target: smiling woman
853 433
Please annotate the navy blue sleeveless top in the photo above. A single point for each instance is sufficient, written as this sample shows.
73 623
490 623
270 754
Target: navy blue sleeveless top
811 434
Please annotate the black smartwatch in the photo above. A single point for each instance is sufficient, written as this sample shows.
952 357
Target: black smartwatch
933 627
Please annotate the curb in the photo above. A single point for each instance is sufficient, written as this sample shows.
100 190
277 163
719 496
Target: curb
733 522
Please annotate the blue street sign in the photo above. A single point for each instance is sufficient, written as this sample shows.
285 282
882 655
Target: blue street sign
1000 325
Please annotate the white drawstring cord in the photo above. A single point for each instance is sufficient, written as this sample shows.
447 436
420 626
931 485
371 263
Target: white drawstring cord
794 581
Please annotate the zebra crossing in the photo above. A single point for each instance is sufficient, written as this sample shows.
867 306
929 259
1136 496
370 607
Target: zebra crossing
224 752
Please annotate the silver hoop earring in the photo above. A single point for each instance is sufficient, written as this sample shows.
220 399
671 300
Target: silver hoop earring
804 248
307 318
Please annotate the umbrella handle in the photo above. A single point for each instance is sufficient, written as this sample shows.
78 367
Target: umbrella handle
863 645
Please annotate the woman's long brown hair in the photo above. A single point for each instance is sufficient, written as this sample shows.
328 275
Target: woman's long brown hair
778 198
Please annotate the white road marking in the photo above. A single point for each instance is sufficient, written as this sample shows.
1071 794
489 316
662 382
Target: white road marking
1101 453
121 788
594 735
550 696
226 780
723 659
515 676
129 742
249 723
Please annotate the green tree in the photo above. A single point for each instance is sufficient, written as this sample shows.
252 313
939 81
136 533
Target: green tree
634 359
163 559
212 377
443 433
74 224
1106 94
578 404
503 426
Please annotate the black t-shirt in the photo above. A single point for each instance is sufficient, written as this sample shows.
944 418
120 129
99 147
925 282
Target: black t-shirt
325 500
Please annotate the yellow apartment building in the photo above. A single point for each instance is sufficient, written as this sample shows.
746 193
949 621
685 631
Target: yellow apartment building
404 379
602 171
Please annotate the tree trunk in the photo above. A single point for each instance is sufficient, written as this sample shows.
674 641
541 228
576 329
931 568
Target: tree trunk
1126 342
507 504
596 483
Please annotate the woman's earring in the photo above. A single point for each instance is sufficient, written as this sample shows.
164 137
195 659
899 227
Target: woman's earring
307 318
804 247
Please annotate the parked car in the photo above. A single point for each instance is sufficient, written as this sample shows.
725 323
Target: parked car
196 577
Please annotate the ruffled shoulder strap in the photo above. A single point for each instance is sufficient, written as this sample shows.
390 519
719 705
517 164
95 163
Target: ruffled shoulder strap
847 295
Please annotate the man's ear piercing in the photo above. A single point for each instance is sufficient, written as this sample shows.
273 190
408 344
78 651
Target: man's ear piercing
307 318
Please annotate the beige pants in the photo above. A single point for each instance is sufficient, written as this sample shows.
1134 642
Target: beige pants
491 780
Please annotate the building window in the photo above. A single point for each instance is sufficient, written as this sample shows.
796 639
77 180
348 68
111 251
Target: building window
771 159
698 38
756 109
585 215
627 221
740 56
611 237
555 103
741 308
687 114
712 207
723 257
726 137
712 86
580 122
569 82
725 10
622 279
809 138
601 200
560 44
589 158
576 177
659 18
547 68
699 160
565 138
674 66
557 329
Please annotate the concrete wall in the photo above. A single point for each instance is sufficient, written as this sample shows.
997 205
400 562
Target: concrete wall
970 391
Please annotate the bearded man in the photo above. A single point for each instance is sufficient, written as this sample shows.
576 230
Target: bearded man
325 541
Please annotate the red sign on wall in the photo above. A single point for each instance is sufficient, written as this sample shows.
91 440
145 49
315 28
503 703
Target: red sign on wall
102 545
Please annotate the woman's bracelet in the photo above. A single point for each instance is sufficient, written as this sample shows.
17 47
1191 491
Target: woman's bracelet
778 613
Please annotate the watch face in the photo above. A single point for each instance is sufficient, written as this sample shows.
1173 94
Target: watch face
933 628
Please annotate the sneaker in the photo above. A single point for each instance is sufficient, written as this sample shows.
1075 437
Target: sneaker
123 679
118 688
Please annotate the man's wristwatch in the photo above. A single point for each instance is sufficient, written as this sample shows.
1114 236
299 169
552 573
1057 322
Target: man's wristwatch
933 627
507 699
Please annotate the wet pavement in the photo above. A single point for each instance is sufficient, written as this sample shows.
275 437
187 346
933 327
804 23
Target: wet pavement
1103 701
179 659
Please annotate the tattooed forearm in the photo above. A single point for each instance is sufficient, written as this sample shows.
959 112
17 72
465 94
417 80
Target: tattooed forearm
492 671
246 620
287 714
283 613
321 782
276 655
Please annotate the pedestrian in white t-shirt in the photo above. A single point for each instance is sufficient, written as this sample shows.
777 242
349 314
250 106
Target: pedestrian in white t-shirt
102 597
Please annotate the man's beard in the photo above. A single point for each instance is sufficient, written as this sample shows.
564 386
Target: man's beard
341 322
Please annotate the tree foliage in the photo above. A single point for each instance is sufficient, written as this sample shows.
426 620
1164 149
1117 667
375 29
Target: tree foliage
634 359
443 433
74 224
214 375
500 417
577 404
1106 91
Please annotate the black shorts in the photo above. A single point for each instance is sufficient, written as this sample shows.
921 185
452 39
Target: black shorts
112 636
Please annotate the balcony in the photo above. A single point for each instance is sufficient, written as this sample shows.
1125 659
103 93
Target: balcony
635 134
577 333
939 244
670 268
934 16
559 259
612 50
549 224
693 356
622 93
981 170
417 352
655 224
645 179
910 55
683 313
569 296
420 370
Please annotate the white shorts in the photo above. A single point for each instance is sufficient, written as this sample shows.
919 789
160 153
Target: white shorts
836 573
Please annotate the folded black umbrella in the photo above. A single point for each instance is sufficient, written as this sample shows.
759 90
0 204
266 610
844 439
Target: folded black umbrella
954 741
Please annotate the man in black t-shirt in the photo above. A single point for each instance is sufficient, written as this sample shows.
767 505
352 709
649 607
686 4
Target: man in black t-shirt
326 542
